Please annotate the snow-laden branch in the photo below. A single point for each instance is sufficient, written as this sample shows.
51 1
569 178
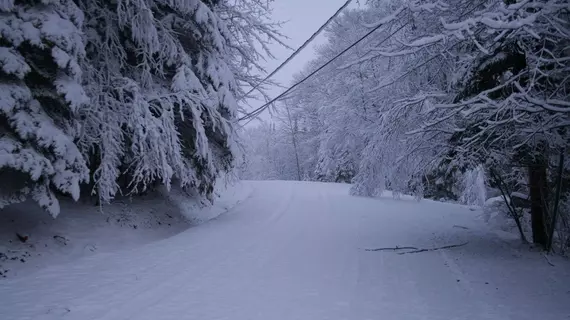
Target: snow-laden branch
121 96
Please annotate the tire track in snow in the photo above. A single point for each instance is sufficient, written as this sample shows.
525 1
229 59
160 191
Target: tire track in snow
154 293
349 271
485 310
274 256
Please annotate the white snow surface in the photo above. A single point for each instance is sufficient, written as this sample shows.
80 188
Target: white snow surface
85 229
296 250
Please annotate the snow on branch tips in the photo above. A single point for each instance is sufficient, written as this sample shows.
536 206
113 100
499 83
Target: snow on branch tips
429 102
117 97
46 44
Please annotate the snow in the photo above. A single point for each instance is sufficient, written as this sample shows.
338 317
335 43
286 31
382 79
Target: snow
84 228
386 19
473 187
519 195
6 5
73 92
11 95
296 250
426 41
14 155
97 96
13 63
70 166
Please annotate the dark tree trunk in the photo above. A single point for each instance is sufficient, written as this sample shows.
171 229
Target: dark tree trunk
537 185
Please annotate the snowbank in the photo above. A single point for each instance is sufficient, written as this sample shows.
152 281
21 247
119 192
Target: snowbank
226 196
30 239
497 216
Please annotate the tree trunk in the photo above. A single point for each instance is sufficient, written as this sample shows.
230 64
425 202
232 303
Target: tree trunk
554 215
537 186
293 129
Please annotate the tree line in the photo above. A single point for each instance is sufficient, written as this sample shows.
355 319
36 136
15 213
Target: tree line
443 100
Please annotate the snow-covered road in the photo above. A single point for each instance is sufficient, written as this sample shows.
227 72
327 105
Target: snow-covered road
297 251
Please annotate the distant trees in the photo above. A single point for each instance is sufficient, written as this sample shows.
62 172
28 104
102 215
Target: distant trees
442 96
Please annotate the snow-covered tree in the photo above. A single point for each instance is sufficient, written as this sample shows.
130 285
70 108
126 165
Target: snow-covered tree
474 187
251 30
163 93
124 95
41 96
512 105
269 154
443 88
439 92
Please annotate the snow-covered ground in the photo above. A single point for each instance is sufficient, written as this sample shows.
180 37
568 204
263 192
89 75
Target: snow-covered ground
298 251
85 229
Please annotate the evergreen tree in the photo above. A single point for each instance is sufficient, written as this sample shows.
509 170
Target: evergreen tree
41 96
123 95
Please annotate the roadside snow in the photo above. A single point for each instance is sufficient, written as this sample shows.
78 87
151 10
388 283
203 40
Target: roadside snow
226 196
83 229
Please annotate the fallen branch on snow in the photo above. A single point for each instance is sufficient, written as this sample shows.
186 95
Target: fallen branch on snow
548 260
417 250
435 249
393 249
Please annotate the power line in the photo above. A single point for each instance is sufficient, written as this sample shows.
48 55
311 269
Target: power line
303 46
251 116
245 124
257 111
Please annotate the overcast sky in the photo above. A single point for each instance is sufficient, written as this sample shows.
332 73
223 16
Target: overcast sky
303 18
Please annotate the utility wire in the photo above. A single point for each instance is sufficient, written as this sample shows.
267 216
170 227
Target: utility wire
303 46
400 77
248 121
257 111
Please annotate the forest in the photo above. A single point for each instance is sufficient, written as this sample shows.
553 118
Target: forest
155 165
457 101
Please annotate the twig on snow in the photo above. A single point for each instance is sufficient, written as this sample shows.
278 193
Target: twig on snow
416 250
548 260
60 310
436 249
393 249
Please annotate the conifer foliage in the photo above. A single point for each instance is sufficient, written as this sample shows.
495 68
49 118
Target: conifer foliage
111 97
